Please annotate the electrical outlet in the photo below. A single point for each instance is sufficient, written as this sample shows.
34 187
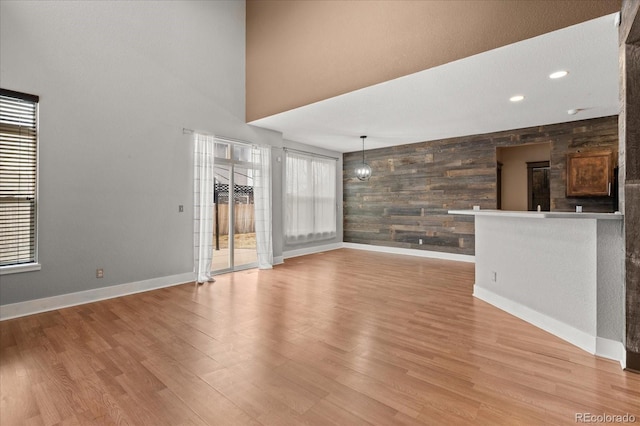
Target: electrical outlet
420 241
180 208
99 273
494 276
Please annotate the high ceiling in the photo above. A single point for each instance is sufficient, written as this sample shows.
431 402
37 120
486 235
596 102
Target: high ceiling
471 96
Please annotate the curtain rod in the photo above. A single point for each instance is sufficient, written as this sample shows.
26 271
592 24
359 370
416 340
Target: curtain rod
313 154
186 131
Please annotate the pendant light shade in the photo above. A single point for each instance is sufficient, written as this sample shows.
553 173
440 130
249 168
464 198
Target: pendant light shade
363 171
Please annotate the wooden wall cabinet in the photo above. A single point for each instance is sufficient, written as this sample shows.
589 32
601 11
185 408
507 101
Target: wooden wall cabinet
589 174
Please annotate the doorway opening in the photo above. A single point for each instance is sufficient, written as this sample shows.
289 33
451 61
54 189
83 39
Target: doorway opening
524 175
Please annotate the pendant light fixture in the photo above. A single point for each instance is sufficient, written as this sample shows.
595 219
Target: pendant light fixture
363 171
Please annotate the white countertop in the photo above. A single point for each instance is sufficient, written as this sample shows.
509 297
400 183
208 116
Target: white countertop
540 215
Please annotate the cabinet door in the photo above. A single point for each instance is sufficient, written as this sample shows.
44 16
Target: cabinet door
589 174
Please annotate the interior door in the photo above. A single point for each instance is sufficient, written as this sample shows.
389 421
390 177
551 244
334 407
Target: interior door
538 186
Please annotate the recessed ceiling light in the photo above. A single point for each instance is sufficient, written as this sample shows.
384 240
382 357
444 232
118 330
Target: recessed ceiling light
516 98
558 74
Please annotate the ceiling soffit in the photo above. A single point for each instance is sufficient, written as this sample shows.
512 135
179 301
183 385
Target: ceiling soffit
300 52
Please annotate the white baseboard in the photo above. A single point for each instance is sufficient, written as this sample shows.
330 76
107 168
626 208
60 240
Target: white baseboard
311 250
20 309
412 252
278 260
594 345
380 249
611 349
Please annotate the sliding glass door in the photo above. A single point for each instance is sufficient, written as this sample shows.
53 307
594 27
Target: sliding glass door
234 237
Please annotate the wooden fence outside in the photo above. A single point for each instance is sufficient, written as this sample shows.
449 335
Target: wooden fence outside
244 219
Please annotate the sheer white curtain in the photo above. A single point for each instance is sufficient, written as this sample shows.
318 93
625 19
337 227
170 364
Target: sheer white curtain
203 205
310 198
261 159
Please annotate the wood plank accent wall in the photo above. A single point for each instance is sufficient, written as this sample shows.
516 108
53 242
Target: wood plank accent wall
414 185
630 171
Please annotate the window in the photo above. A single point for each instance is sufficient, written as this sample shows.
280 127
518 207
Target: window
18 181
310 198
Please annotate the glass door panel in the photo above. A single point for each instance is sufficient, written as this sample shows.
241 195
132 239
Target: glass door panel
221 259
244 236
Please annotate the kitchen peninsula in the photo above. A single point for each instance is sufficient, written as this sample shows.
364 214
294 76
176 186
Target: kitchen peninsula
560 271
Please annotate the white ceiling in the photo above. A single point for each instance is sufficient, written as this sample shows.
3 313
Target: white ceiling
471 96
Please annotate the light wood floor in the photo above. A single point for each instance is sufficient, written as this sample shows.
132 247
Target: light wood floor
244 251
346 337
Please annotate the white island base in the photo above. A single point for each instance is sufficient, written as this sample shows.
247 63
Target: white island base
562 272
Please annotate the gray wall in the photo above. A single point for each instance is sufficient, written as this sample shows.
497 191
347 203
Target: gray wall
555 277
117 82
567 269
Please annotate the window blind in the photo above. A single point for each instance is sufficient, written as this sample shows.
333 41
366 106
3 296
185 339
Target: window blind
18 177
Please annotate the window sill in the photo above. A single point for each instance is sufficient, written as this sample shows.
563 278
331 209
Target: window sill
16 269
